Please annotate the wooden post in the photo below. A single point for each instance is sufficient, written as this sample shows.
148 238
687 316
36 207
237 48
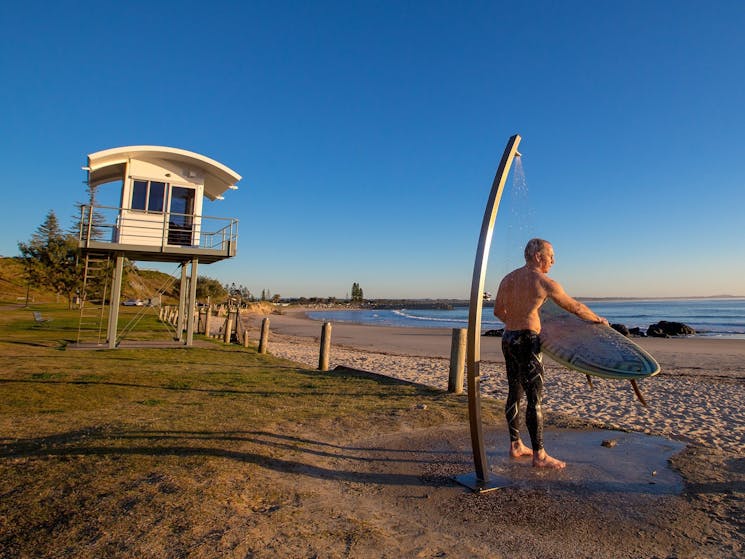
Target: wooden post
264 335
323 358
457 361
207 325
245 337
228 329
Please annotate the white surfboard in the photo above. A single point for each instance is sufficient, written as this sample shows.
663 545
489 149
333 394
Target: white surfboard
590 348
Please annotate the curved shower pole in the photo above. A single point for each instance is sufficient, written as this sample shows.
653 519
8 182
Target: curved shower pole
480 480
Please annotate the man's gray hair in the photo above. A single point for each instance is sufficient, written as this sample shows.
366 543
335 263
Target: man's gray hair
533 247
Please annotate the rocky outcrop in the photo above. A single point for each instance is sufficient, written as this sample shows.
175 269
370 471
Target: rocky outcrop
665 329
662 329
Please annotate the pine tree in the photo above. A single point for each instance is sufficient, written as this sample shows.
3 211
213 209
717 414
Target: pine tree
356 292
89 222
50 259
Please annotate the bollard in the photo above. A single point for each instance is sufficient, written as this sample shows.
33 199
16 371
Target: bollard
323 358
264 335
228 329
245 337
457 360
207 325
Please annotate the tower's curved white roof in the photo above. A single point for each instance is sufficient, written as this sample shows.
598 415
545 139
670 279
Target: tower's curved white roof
108 166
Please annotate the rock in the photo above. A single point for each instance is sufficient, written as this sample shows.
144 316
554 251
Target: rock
664 329
621 328
494 333
636 331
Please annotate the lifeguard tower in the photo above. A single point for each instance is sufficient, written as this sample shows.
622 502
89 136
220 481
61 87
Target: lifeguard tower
159 219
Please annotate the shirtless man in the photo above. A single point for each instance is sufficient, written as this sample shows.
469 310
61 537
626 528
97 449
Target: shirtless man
520 295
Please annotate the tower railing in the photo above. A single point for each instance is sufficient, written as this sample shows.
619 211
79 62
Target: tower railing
101 225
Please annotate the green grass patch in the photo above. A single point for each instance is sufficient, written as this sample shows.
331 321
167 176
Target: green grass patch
103 452
177 385
45 376
90 377
230 383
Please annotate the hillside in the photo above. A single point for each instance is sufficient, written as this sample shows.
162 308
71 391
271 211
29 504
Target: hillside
13 284
138 284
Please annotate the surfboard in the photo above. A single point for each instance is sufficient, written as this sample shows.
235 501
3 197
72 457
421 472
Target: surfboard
590 348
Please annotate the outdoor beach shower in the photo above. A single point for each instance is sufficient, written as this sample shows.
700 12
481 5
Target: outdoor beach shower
479 480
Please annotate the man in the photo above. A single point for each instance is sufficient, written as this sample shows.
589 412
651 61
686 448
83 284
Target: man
521 293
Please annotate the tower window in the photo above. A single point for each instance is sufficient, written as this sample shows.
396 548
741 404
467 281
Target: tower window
148 195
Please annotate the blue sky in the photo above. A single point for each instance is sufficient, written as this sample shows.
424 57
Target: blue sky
368 134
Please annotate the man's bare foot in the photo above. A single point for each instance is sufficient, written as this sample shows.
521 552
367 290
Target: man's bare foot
518 450
542 460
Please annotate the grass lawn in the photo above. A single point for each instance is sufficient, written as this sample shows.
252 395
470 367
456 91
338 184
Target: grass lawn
166 452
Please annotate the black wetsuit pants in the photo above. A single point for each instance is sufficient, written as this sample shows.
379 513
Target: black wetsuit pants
522 355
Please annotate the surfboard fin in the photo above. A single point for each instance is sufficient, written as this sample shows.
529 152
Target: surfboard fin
638 392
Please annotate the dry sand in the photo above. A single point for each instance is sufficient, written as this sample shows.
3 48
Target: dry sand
398 489
698 396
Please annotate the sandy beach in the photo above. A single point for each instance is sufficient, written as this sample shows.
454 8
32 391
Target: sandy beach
597 507
697 396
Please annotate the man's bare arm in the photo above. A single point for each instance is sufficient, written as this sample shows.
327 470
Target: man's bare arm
500 310
562 298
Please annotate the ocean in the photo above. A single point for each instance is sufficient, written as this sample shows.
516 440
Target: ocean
723 318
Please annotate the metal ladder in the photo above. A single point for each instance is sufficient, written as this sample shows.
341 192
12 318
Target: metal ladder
92 325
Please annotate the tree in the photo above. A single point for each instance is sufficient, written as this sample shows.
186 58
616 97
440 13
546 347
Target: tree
357 295
208 287
89 223
51 259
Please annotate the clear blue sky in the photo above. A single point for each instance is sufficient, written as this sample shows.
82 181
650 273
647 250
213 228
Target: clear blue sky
368 133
